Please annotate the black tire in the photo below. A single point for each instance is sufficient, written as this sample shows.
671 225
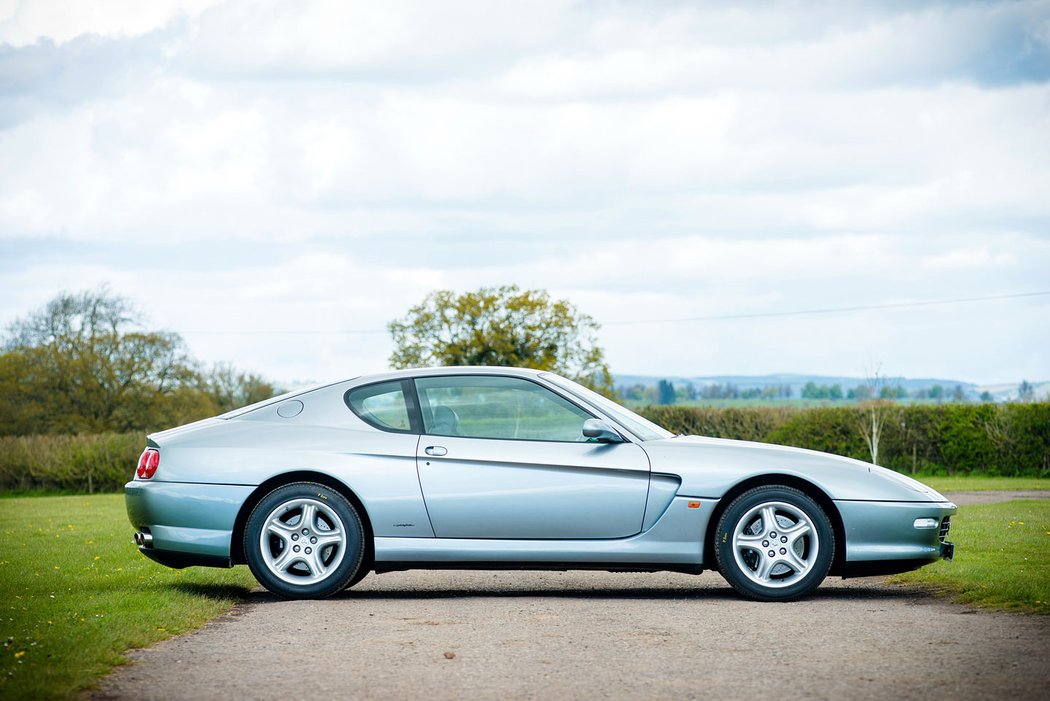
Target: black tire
304 541
362 572
774 543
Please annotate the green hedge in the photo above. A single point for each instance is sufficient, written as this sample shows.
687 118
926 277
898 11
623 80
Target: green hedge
84 464
1011 440
956 439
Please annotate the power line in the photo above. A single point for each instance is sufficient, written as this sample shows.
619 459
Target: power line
304 332
827 310
679 320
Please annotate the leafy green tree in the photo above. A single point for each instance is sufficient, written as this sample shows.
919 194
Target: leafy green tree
230 389
501 326
665 392
775 392
892 392
635 392
84 364
1026 391
720 391
80 365
861 393
986 396
811 390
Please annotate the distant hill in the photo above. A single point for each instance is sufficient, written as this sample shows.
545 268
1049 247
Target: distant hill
1000 392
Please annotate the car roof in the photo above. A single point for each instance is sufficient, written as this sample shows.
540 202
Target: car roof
449 370
387 376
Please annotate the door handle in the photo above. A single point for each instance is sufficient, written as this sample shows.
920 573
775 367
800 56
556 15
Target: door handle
435 450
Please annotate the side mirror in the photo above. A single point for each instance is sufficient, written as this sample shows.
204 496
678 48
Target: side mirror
595 428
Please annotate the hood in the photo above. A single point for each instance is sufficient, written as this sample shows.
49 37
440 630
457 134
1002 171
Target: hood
711 466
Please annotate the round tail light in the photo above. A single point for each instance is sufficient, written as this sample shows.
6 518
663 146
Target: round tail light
149 461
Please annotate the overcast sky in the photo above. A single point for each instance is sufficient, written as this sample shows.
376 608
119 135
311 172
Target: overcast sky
278 180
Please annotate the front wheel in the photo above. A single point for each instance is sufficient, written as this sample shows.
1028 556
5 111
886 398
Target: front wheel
774 543
304 541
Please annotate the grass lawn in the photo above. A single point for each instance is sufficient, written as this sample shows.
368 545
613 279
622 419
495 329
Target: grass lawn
1002 557
76 594
984 484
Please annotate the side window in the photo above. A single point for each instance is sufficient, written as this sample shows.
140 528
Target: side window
497 407
383 405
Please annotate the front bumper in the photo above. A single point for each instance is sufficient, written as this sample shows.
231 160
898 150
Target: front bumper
191 524
881 537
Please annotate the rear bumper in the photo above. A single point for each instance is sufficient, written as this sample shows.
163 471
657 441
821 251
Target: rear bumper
881 537
191 524
178 560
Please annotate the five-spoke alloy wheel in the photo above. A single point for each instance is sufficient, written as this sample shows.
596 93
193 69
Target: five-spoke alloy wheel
774 543
304 541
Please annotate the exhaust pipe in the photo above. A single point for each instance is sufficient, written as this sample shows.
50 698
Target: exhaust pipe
143 540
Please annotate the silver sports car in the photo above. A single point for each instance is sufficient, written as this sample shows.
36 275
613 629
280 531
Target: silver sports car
504 468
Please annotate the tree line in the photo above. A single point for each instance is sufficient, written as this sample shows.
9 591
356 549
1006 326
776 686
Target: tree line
664 392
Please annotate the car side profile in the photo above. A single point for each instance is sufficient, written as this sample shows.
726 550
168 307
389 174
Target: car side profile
508 468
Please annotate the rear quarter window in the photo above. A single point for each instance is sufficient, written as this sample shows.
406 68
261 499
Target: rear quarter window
382 405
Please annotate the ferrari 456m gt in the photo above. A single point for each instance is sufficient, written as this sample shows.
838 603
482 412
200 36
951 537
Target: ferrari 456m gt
504 468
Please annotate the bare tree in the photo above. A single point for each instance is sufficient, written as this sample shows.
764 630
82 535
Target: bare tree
874 416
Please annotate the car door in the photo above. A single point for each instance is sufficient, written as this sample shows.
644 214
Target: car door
505 457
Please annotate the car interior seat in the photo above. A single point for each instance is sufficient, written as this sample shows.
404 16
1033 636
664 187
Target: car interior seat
446 422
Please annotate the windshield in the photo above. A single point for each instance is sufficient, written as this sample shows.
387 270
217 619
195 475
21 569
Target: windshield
645 429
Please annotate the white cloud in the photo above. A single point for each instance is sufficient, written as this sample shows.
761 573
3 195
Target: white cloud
24 23
389 41
977 258
191 161
786 48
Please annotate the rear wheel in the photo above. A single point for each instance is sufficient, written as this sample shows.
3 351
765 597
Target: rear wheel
362 572
774 543
304 541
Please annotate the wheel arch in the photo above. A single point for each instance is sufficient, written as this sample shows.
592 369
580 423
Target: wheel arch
241 523
806 487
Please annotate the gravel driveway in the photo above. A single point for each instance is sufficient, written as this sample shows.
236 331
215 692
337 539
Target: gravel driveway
510 635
